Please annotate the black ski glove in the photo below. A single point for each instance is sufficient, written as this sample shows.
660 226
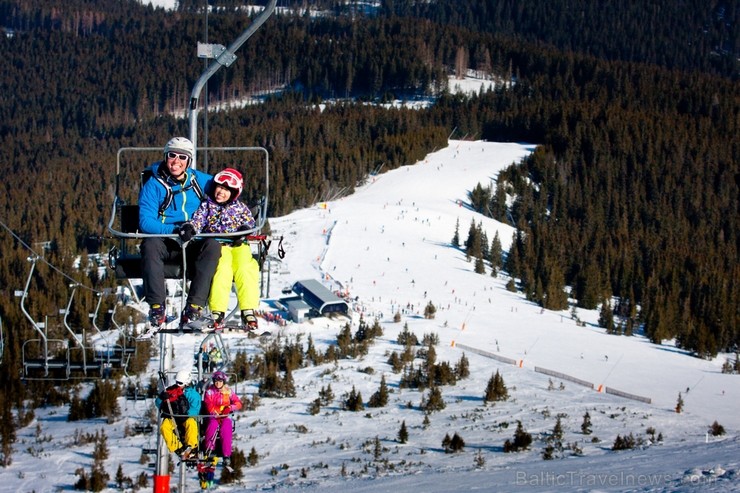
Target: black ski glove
239 240
186 231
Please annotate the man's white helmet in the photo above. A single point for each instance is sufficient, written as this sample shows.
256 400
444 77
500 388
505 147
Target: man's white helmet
180 144
183 377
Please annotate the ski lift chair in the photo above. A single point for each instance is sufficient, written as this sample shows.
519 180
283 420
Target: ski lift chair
124 220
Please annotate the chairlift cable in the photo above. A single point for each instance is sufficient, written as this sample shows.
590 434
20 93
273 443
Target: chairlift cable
52 266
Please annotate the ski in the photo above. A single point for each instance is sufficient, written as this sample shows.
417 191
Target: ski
151 330
197 325
253 334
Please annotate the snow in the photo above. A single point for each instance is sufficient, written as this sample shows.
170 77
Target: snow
164 4
388 246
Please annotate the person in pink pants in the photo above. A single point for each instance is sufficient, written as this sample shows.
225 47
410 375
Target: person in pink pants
220 402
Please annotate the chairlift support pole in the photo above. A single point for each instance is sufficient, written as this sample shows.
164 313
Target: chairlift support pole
25 295
65 322
94 318
45 342
46 362
223 59
124 348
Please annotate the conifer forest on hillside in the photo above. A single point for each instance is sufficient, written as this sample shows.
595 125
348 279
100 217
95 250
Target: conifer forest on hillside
630 200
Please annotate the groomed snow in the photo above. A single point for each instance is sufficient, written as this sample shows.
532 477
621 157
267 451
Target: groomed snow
388 246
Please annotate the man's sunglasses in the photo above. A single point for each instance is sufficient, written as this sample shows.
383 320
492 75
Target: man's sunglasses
181 157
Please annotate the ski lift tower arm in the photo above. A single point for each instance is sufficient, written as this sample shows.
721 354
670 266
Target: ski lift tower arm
225 58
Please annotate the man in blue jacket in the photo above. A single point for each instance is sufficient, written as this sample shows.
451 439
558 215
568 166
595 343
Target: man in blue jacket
166 203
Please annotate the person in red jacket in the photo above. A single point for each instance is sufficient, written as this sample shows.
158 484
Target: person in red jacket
220 402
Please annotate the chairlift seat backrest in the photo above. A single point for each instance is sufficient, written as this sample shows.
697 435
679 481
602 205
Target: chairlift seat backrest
128 265
130 218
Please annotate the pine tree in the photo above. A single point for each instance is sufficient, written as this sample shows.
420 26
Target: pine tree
606 317
513 263
395 361
454 444
522 440
480 197
430 311
287 387
315 407
8 432
586 425
433 401
462 369
446 443
484 252
403 433
311 354
498 203
98 478
496 389
555 297
495 255
480 266
717 429
456 236
379 398
326 395
479 460
101 452
377 448
557 431
238 462
626 442
253 457
406 337
457 443
344 341
473 243
121 480
353 401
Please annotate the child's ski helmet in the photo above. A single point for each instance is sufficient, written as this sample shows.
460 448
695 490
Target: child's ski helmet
231 179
